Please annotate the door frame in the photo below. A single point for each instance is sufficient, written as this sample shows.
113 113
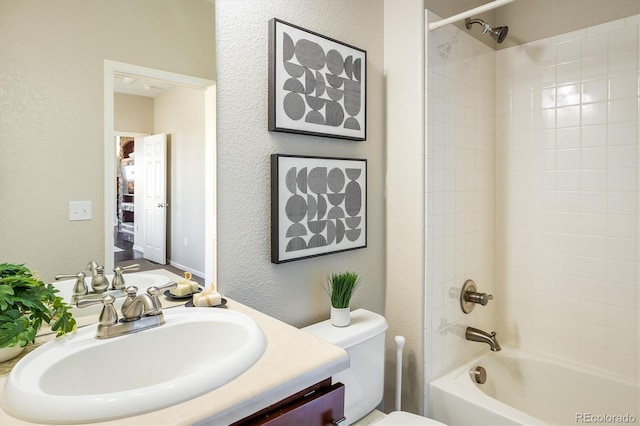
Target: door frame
111 68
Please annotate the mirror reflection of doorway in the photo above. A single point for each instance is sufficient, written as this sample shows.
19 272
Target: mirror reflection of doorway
124 230
178 106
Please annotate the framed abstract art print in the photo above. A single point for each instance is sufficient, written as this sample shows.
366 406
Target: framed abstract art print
317 85
318 206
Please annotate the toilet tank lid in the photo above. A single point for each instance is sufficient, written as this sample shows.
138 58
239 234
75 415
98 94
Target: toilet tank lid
364 325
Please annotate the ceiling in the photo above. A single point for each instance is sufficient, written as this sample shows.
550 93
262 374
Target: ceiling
140 86
530 20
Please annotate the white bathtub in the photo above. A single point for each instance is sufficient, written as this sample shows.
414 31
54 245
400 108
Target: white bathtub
527 389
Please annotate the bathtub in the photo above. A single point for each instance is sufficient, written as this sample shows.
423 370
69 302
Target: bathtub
527 389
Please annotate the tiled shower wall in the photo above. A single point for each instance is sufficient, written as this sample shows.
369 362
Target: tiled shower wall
567 188
533 192
460 105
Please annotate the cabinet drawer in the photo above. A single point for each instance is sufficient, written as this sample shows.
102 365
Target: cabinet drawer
320 405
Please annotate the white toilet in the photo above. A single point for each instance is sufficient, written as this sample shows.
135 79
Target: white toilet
363 340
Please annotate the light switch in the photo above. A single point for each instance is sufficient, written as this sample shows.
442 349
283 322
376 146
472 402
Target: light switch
79 210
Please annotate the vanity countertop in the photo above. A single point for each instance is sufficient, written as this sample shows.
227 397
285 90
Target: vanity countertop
293 360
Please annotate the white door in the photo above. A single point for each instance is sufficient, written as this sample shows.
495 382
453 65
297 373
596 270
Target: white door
155 198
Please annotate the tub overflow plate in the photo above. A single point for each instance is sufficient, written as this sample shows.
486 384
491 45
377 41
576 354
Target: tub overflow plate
480 375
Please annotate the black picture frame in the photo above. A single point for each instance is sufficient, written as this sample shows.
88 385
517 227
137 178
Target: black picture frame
318 206
317 85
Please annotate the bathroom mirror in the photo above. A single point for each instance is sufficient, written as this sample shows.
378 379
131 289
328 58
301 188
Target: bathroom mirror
62 58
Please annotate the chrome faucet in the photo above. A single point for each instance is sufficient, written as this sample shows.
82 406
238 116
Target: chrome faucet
139 312
476 335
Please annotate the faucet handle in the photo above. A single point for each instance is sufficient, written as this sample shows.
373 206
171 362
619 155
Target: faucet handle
155 300
167 286
108 316
481 298
80 287
469 297
118 280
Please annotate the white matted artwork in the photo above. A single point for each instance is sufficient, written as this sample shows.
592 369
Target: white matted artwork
318 206
317 85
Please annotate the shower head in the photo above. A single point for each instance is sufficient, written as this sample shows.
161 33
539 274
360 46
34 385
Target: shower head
498 33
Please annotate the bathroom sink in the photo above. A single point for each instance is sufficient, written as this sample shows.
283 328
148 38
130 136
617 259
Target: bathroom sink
142 280
83 379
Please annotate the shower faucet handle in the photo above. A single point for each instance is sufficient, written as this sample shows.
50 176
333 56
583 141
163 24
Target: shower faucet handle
481 298
469 297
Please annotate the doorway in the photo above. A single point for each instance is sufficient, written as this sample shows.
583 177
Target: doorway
207 87
124 247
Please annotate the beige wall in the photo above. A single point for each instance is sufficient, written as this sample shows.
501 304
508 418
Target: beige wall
405 187
179 113
51 115
292 291
132 113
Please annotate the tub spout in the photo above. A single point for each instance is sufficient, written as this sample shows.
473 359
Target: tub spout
476 335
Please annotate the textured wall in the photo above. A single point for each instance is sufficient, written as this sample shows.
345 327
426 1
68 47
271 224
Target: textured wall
292 291
51 115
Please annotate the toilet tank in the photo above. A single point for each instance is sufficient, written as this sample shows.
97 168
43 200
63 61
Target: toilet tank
363 340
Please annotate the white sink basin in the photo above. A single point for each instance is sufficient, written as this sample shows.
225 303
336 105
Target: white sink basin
142 280
83 379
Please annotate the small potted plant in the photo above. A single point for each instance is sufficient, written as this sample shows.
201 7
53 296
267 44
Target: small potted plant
340 288
25 304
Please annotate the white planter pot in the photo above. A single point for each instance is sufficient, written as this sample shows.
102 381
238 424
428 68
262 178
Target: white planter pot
340 317
10 352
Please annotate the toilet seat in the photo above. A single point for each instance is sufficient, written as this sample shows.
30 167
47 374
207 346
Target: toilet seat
402 418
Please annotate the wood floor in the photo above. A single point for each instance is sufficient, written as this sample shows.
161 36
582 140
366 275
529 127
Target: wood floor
129 256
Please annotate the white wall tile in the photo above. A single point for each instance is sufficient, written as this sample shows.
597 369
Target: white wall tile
595 46
585 195
625 109
624 39
623 133
623 86
623 63
542 184
593 158
594 91
595 67
622 156
595 113
595 135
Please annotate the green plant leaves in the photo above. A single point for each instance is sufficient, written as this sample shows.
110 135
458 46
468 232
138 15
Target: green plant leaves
25 303
17 332
340 288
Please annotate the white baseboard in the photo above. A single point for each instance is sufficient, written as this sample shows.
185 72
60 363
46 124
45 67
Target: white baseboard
199 274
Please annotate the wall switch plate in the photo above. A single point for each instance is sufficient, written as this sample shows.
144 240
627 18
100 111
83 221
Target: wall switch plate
79 210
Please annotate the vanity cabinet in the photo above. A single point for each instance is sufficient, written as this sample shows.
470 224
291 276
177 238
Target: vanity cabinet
319 405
